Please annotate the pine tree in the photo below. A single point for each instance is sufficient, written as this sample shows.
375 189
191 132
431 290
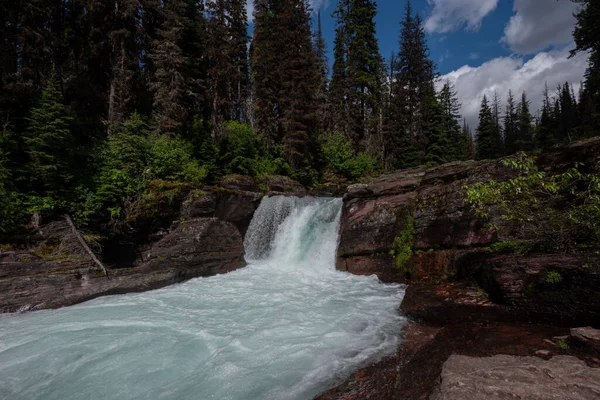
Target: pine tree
457 147
485 142
498 133
587 39
510 125
544 133
438 145
412 85
471 154
169 82
48 141
568 114
356 81
322 73
339 88
524 125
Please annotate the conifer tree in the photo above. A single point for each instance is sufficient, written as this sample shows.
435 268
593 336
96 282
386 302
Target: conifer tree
457 147
510 125
48 141
568 114
485 142
322 74
169 82
544 133
412 85
438 146
525 125
471 154
339 88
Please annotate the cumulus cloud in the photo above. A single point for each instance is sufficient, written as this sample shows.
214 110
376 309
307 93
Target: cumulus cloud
449 15
535 27
504 73
315 4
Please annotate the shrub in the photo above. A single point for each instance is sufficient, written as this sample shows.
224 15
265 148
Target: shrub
341 159
553 277
403 244
514 247
557 212
171 159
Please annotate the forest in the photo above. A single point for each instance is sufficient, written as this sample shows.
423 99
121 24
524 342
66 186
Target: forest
105 105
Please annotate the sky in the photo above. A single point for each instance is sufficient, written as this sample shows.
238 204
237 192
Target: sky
483 46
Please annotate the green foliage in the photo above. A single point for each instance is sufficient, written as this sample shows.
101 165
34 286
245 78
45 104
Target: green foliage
172 159
513 247
342 160
562 344
244 154
553 277
403 244
557 212
48 141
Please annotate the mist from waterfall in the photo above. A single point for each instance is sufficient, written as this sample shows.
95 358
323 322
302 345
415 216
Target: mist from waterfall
287 326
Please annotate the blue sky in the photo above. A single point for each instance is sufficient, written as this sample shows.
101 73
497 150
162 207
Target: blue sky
485 46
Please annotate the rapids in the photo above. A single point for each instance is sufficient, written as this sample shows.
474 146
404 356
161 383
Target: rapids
287 326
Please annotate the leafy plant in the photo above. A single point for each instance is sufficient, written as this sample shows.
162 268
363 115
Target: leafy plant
341 158
554 277
513 247
562 344
403 244
557 212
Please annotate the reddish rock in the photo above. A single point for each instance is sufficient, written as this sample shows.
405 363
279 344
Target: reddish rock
199 247
504 377
587 336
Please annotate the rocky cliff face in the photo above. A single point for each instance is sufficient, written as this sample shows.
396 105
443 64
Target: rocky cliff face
198 234
451 244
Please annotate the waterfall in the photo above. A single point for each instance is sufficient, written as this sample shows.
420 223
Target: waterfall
294 231
287 326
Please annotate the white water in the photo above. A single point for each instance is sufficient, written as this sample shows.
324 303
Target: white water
285 327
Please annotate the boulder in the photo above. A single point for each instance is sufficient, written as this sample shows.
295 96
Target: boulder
199 247
587 336
510 377
277 184
199 204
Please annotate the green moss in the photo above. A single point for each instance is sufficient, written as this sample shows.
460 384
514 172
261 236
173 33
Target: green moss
404 242
514 247
528 292
553 277
562 344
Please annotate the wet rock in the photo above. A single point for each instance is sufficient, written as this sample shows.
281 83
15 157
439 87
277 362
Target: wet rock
237 208
503 376
200 247
587 336
276 184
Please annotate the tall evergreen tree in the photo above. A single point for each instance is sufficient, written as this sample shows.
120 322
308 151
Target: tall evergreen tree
357 78
339 88
48 141
169 82
587 39
510 125
457 147
438 145
544 133
485 142
525 125
412 87
322 76
466 131
568 114
283 66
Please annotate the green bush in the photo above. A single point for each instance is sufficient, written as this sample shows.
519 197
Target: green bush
171 159
514 247
403 244
341 159
558 213
553 277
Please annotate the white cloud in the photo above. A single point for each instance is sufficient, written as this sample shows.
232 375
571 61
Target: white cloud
536 26
504 73
473 56
449 15
315 4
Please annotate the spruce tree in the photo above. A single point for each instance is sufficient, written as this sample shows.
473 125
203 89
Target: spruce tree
322 76
412 85
457 146
339 88
485 142
587 39
169 82
510 125
438 145
568 114
544 132
466 132
524 125
48 142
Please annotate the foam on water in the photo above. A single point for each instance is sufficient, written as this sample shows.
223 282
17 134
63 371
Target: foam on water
285 327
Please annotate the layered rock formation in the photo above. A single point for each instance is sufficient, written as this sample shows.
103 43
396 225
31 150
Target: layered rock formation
194 235
450 243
